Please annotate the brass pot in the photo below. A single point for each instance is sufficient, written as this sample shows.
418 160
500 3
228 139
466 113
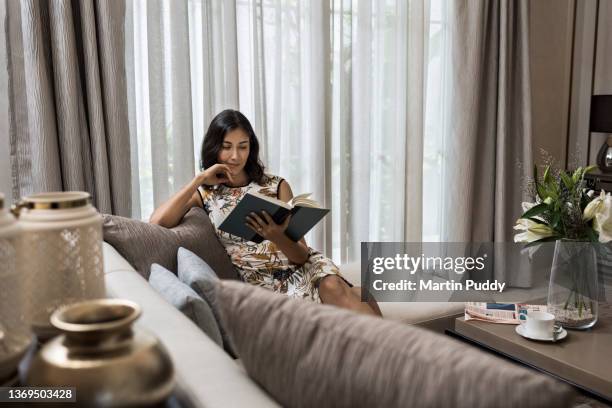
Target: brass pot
110 363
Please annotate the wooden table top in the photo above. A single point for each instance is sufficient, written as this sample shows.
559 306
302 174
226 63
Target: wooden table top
583 357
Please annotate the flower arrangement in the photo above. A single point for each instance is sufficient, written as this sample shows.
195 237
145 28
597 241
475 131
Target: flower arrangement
564 209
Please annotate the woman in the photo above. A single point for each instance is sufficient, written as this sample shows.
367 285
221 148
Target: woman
231 168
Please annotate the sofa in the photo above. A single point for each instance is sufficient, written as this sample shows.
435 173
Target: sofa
206 375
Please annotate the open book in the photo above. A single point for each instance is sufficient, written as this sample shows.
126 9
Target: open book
306 213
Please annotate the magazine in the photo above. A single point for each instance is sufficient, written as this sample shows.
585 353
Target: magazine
505 313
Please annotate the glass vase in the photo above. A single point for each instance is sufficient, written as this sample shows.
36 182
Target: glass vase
573 291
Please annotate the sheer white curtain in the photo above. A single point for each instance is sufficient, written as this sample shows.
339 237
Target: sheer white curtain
336 91
181 63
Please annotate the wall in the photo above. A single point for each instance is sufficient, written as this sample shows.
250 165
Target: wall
602 83
571 60
602 73
551 31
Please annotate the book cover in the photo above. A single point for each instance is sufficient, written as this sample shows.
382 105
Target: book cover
302 221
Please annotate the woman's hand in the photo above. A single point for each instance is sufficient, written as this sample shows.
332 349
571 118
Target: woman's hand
265 226
216 174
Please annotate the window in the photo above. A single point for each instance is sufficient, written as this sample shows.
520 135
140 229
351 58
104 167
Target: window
264 57
435 122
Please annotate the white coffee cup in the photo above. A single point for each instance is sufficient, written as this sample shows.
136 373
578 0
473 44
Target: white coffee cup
539 324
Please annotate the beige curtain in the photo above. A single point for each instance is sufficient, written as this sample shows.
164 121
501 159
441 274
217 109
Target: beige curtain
68 102
489 144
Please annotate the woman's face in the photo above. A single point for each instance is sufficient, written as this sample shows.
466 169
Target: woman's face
235 150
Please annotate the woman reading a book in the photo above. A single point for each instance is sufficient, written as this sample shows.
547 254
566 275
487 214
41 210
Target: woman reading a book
231 168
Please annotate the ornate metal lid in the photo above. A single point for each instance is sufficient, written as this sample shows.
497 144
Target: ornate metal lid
56 200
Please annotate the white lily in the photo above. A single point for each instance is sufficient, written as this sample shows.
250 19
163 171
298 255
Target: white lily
602 221
532 231
596 206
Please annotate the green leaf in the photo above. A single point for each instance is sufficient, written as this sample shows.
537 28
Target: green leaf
589 169
547 174
541 191
567 180
537 220
535 180
578 174
535 210
552 191
554 222
593 235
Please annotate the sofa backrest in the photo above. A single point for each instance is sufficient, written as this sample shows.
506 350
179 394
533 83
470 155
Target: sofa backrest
205 373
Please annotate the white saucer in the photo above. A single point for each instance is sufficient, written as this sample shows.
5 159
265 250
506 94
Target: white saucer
562 334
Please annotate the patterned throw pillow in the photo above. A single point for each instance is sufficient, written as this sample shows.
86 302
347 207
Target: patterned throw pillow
194 272
186 300
143 244
311 355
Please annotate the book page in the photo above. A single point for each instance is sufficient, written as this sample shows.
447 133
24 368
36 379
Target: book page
304 200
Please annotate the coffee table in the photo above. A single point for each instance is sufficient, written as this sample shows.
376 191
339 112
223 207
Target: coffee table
583 359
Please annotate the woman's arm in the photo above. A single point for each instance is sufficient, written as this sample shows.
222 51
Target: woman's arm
296 252
170 213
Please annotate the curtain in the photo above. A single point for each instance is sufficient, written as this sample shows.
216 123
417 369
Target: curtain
5 160
489 143
68 102
334 89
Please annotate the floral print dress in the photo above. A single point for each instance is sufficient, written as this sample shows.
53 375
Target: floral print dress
264 264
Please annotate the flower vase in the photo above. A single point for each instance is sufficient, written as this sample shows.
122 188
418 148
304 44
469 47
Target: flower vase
573 292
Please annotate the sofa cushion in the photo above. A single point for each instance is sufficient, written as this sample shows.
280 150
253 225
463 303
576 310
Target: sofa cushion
186 300
194 272
306 354
143 244
437 316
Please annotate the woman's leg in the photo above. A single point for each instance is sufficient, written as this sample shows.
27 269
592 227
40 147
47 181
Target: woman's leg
371 301
333 290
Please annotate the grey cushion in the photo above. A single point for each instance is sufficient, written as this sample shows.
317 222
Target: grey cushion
186 300
143 244
199 276
308 355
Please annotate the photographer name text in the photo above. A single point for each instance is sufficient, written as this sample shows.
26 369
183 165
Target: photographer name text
408 285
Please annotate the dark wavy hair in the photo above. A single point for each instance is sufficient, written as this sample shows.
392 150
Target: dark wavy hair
224 122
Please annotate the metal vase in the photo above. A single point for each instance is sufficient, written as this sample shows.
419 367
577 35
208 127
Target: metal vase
107 360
